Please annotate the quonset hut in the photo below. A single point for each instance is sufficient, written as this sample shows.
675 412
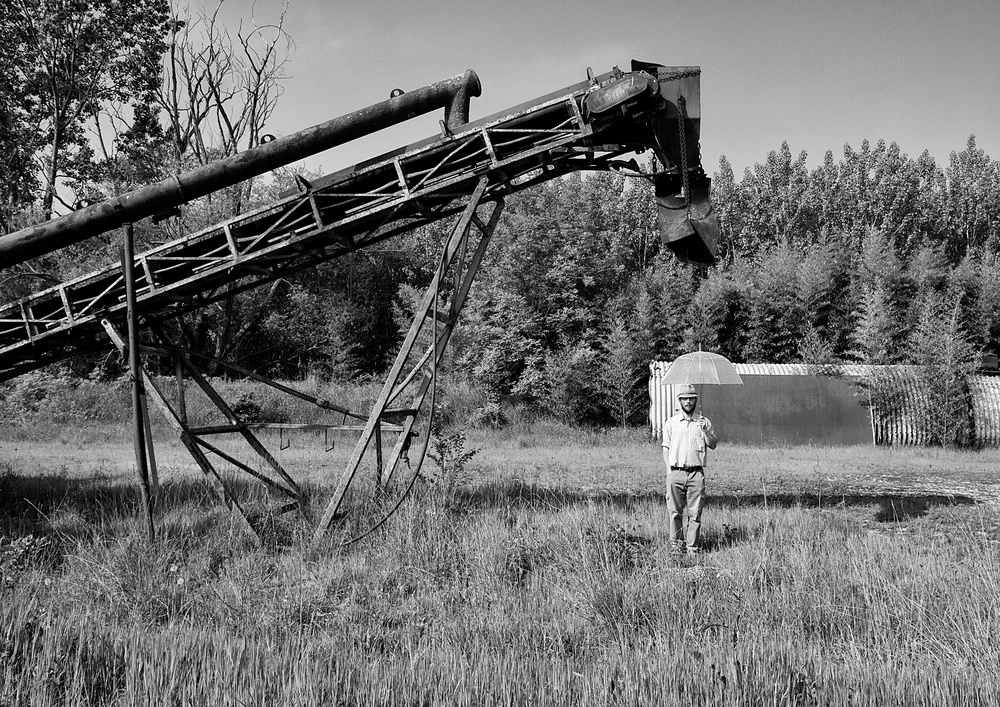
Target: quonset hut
823 405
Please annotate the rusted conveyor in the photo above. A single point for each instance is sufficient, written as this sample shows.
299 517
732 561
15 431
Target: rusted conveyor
584 127
465 172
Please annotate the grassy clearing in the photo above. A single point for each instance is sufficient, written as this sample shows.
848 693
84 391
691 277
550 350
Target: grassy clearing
833 577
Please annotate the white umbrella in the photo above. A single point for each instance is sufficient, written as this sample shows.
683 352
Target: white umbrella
700 368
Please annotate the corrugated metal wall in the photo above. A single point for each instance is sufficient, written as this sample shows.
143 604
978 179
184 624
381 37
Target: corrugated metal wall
986 409
798 404
898 422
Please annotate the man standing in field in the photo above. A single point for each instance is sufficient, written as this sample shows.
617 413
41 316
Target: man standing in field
687 437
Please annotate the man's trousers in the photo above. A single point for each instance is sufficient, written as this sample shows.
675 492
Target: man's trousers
685 492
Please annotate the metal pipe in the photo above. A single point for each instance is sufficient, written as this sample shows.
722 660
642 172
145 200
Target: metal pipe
127 250
451 94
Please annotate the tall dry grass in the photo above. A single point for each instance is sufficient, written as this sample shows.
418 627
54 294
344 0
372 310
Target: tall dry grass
509 593
833 576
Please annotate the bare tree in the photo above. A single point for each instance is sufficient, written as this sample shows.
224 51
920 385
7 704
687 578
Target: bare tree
220 89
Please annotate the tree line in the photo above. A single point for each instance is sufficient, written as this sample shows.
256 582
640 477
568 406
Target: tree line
871 257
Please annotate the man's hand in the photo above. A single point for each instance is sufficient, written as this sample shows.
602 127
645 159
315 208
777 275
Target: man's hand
706 428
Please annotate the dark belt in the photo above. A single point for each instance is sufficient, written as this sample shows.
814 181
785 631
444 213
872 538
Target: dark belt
686 468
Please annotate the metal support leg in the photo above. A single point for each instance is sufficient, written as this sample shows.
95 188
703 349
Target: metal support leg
171 416
458 301
140 423
251 439
453 261
196 446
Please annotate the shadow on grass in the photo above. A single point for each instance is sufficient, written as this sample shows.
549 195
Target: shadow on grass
56 505
893 507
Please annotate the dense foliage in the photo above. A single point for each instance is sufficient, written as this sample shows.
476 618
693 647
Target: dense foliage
876 258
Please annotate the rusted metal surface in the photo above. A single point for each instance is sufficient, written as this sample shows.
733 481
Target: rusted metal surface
351 209
140 423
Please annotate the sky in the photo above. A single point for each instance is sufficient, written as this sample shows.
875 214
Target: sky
817 74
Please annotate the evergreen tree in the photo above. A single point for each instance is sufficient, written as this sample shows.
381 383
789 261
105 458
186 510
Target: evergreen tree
820 295
777 315
620 372
718 314
946 358
987 303
876 329
887 297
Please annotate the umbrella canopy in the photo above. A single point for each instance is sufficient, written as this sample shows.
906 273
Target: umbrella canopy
701 367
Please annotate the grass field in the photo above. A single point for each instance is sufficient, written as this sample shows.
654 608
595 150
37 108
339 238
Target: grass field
834 576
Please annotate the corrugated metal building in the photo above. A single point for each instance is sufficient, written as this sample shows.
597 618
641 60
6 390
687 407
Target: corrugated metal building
986 409
799 404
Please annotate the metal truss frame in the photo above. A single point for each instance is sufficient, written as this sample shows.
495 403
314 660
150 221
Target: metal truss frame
457 174
415 366
413 372
338 214
194 438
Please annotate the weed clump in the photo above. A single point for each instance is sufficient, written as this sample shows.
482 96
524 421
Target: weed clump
19 556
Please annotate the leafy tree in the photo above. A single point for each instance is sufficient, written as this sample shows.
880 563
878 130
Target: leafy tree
972 208
500 344
661 308
728 211
770 205
880 190
718 315
77 56
302 332
635 238
20 141
570 388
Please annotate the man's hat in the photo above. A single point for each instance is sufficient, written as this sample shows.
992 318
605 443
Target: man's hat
687 391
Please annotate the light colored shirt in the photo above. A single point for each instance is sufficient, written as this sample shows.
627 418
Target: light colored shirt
686 442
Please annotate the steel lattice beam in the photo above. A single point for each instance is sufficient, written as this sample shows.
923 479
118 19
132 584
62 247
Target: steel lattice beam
342 212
